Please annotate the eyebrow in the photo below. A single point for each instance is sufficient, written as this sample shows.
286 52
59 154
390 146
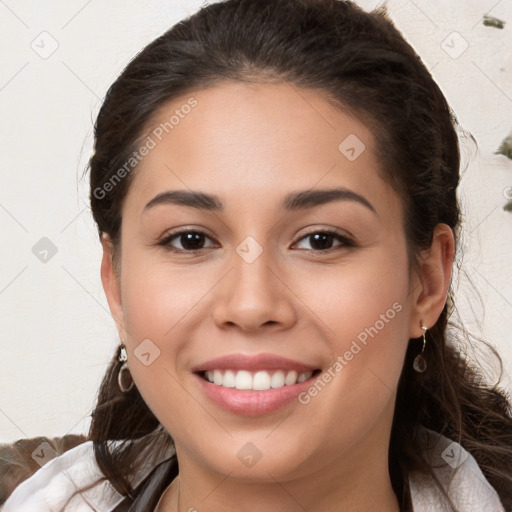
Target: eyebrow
294 201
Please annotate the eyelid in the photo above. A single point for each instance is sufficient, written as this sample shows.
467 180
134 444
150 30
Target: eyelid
165 240
346 240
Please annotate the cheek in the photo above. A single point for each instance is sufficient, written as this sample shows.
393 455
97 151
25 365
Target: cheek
368 295
157 304
365 317
163 307
158 298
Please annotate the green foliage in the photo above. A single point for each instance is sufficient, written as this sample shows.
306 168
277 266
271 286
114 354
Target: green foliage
489 21
506 147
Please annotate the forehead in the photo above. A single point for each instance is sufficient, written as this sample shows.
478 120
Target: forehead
239 139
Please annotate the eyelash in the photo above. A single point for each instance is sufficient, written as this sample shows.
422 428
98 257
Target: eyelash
345 242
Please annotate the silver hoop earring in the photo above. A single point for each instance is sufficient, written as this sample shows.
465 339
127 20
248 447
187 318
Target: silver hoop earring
420 364
124 377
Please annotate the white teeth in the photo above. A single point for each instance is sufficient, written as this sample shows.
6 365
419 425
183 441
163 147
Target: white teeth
261 381
304 376
217 377
258 381
291 378
278 380
243 380
229 379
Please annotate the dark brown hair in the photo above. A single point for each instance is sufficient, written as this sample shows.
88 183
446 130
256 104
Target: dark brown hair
361 63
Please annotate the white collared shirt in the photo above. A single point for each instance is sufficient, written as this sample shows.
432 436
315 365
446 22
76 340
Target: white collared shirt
50 487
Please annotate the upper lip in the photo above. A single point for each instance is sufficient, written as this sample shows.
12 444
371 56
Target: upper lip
252 363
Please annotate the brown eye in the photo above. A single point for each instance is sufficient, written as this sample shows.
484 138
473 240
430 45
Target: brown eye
190 241
323 240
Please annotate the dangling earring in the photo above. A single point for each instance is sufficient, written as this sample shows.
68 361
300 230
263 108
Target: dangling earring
420 364
124 377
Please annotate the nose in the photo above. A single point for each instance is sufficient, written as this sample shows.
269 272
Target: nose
254 296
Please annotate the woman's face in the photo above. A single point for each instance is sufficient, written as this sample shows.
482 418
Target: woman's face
262 296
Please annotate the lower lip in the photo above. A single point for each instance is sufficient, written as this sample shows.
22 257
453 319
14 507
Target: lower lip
249 402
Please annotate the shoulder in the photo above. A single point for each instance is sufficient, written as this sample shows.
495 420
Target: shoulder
457 471
54 485
74 482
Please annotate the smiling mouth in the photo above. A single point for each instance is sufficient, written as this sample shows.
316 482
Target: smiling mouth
261 380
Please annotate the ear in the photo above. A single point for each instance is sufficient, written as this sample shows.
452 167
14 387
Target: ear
111 284
433 280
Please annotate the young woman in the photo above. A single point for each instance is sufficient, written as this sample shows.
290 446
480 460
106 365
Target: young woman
274 184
